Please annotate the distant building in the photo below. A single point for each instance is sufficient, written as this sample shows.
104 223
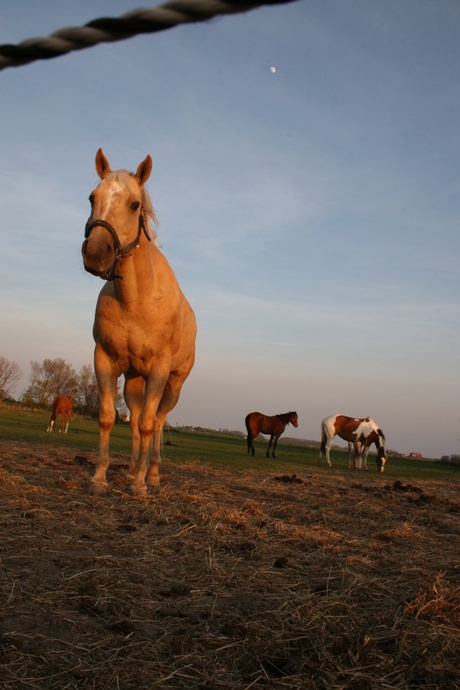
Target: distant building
415 455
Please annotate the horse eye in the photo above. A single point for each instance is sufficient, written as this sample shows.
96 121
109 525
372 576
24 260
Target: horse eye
135 205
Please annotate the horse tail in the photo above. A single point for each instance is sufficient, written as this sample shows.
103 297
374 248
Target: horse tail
323 439
250 436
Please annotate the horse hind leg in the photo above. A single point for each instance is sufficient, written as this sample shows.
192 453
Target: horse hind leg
326 446
168 402
134 396
65 419
250 442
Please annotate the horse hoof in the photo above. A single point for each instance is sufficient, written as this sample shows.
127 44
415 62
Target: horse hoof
138 490
153 481
98 488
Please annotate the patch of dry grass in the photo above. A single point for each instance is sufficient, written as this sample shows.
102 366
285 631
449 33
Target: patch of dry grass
224 579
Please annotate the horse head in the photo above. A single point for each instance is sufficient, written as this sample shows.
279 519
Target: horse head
293 419
381 459
119 206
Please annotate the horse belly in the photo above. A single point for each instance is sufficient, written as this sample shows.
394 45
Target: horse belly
269 427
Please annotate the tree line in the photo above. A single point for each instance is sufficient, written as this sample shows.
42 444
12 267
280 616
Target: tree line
51 378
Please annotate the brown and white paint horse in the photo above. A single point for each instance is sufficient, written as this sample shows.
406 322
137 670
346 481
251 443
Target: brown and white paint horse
62 405
258 423
144 328
355 431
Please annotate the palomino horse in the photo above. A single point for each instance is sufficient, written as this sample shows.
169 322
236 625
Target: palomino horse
144 327
355 431
258 423
62 405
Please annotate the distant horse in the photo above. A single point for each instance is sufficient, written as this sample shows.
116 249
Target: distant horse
355 431
62 405
144 327
257 423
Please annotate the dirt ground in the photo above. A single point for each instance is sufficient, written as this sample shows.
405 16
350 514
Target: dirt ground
224 579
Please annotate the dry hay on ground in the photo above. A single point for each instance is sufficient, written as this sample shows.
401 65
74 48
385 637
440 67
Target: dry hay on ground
224 579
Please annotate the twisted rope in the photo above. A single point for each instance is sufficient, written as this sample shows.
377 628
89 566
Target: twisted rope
107 29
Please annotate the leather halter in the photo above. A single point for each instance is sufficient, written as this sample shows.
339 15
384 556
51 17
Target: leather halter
120 252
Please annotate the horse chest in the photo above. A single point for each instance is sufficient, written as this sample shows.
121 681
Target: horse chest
134 344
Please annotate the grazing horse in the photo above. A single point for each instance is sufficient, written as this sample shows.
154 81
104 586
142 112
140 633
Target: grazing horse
361 433
257 423
144 327
62 405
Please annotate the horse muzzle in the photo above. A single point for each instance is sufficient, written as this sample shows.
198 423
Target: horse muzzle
99 256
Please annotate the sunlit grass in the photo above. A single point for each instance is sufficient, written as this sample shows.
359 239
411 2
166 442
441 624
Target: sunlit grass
214 450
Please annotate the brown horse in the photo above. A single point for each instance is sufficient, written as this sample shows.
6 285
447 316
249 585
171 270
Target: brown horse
144 327
258 423
62 405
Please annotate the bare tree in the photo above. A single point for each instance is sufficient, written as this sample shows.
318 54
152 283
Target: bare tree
61 375
88 393
10 373
47 380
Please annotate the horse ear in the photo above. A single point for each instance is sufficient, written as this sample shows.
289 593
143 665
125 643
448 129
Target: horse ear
102 164
144 170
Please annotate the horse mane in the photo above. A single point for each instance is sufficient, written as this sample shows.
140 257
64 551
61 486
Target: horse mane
126 178
286 417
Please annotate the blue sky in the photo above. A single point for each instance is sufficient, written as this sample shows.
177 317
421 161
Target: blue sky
310 214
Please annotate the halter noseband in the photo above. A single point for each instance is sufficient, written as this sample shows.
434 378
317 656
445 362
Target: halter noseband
120 252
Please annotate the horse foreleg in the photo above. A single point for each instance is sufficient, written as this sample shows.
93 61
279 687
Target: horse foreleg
363 460
107 383
67 421
350 446
134 397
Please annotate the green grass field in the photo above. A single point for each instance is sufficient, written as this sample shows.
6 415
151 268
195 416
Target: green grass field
216 450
